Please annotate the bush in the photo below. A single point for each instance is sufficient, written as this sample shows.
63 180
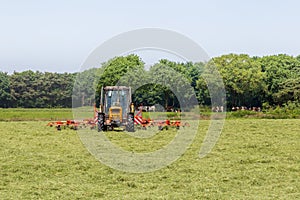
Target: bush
241 114
288 110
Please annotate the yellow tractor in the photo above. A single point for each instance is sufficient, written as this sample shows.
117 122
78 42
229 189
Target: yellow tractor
116 111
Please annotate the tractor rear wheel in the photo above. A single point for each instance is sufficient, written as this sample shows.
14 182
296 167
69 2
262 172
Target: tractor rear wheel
101 119
130 122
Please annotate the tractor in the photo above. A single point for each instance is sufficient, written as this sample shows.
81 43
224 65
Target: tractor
116 110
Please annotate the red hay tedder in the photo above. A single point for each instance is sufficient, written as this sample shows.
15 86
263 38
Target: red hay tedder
162 124
73 124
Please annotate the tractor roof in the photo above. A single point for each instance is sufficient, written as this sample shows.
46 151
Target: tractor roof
116 88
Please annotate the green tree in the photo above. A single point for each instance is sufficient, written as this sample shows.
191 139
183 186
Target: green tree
242 77
171 87
115 69
5 96
289 90
24 88
191 71
36 89
281 72
84 88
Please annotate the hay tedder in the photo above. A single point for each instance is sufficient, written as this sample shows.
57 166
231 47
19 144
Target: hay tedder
143 123
72 124
117 113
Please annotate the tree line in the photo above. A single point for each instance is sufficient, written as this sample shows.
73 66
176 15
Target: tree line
249 81
30 89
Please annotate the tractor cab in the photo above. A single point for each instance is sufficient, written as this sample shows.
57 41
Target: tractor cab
116 110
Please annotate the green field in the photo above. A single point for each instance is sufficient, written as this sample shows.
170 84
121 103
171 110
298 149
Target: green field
55 114
254 159
44 114
33 114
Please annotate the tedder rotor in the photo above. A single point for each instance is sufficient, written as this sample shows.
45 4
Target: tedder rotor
116 111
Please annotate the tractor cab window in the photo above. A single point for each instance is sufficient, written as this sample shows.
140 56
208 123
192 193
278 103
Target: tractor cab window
117 98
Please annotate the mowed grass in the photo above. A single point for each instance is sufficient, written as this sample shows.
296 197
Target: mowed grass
253 159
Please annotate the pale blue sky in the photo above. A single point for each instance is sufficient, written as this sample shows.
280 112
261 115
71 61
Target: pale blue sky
59 35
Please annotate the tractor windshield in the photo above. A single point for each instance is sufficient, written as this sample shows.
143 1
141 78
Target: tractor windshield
118 98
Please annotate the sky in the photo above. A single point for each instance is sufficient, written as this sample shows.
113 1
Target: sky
58 36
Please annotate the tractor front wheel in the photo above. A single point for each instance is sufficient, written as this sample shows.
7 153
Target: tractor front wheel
101 119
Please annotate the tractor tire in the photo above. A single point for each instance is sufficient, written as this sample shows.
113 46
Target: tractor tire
101 120
130 122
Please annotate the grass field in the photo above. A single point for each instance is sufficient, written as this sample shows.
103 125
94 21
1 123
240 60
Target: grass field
253 159
53 114
33 114
44 114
